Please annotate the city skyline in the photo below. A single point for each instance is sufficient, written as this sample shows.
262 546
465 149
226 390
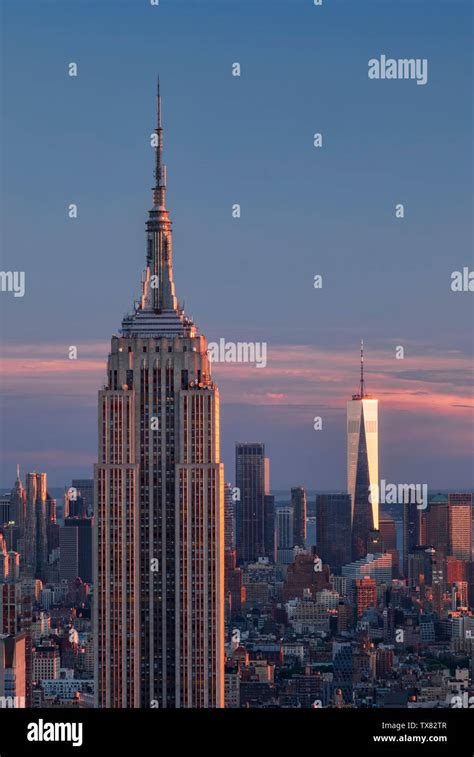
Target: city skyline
236 364
359 173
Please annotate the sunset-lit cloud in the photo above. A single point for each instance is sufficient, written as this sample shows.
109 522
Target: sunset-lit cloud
426 401
294 375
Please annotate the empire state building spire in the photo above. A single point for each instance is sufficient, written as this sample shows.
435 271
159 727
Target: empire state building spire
160 169
158 312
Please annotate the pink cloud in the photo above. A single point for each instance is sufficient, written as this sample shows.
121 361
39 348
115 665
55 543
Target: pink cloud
426 399
294 375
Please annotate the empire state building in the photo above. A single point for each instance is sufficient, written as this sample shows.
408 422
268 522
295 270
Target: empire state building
159 489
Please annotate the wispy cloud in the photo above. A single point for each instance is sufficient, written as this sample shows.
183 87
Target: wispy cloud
426 404
295 375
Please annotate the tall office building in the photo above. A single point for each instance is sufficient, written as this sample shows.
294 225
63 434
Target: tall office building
269 526
85 490
438 581
412 531
235 591
333 529
35 531
74 504
18 501
284 535
84 528
269 532
298 503
251 476
5 508
388 532
460 525
362 464
159 488
436 519
68 553
13 565
419 566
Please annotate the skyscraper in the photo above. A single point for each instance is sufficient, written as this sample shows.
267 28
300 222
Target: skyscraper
269 526
412 522
436 517
18 501
35 533
333 529
5 508
69 553
251 477
234 586
362 464
298 502
284 535
389 535
460 525
159 534
438 580
85 490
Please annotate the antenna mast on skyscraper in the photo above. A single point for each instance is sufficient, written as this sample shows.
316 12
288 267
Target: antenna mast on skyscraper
160 169
361 368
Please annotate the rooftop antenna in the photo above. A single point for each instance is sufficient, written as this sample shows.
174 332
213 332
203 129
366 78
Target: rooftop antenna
160 168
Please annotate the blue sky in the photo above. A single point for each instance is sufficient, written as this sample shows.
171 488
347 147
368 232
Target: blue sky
305 211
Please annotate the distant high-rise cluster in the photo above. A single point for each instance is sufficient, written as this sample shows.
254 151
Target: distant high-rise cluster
39 581
340 581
